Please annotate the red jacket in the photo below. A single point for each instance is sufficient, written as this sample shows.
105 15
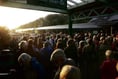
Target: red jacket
108 69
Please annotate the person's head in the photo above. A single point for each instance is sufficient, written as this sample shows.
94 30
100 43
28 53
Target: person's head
94 37
69 72
81 43
89 41
24 38
60 45
70 42
46 44
24 59
102 40
23 45
30 42
58 57
59 40
108 53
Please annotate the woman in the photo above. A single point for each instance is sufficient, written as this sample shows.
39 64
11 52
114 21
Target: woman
108 67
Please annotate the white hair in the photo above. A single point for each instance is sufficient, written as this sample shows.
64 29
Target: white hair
56 54
24 58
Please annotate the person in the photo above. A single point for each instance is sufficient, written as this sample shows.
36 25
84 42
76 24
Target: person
89 60
102 49
58 58
7 56
39 42
32 50
45 53
30 67
117 69
108 67
70 72
80 57
5 38
71 50
80 51
60 44
22 47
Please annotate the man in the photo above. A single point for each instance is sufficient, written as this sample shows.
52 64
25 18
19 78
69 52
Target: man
59 59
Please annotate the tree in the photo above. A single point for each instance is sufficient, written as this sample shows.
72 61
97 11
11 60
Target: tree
49 20
56 19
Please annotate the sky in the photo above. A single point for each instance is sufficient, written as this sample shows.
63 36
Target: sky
14 17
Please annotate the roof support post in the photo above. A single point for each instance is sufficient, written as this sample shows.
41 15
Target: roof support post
70 24
111 30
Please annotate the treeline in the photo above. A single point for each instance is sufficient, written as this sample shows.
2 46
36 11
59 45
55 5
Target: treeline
49 20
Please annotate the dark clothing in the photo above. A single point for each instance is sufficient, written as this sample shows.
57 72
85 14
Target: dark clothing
89 66
39 68
45 54
80 55
67 62
71 52
101 53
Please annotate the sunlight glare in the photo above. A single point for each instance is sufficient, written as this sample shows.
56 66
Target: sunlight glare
14 17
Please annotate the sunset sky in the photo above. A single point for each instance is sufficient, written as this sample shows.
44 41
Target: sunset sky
14 17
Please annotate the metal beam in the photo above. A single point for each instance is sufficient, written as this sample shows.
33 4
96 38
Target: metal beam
94 12
68 5
73 2
33 7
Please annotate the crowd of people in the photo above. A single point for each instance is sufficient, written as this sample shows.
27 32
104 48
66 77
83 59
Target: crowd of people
61 56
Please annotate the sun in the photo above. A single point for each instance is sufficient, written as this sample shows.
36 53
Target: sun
12 26
15 17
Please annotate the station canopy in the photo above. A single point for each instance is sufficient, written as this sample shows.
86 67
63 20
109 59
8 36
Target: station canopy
77 3
79 9
61 6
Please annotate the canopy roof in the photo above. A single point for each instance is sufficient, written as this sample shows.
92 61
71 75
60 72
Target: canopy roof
45 4
76 3
105 21
79 9
75 26
73 3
